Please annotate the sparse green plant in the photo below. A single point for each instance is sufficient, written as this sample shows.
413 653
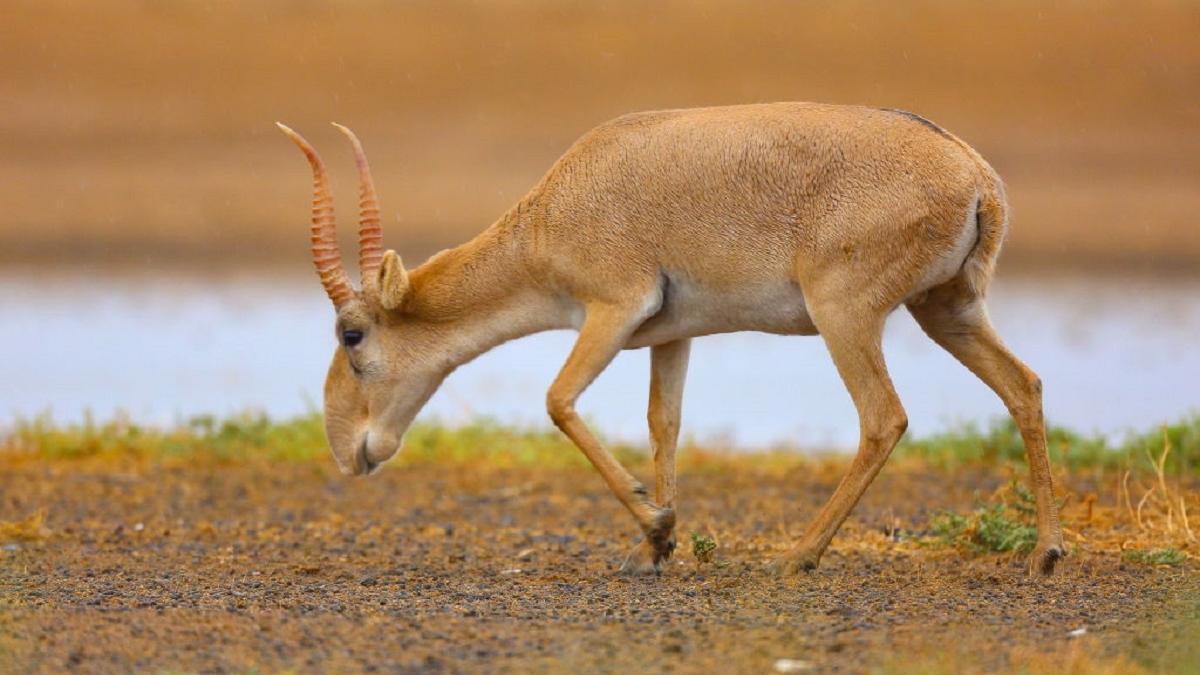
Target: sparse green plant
1002 527
989 529
1155 556
703 548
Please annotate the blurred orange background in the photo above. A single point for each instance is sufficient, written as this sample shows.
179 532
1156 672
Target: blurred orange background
140 132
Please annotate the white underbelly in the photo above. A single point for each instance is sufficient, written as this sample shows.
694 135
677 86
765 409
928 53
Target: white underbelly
692 311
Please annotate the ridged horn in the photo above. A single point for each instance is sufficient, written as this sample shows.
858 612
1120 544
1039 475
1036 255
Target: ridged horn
370 233
326 257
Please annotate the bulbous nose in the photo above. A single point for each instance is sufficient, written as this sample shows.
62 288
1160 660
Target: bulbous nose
365 455
376 449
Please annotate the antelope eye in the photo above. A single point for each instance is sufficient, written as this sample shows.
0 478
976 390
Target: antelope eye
351 338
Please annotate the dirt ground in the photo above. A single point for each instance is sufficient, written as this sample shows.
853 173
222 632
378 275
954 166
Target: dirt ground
290 566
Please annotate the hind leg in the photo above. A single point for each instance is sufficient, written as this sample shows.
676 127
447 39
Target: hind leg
956 318
853 336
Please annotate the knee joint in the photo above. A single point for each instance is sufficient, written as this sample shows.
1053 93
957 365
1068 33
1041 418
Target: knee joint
561 408
886 431
1034 383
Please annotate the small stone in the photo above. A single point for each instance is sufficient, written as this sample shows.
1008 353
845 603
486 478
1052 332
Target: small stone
792 665
526 554
515 570
368 581
1078 632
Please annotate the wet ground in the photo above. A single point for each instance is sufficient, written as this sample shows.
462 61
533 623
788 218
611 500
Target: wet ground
289 566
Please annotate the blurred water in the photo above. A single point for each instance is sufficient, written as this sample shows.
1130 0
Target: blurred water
1114 354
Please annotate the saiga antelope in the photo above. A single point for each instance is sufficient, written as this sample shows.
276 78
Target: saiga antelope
657 227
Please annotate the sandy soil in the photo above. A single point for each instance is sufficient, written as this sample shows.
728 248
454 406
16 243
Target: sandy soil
234 568
136 131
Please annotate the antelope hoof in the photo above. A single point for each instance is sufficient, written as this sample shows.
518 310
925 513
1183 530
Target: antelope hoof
646 560
791 563
1044 558
653 551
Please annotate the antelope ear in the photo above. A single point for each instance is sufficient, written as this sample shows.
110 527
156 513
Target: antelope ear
393 281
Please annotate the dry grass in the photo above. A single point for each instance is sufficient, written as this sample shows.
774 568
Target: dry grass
138 131
1146 517
1161 515
32 528
1148 513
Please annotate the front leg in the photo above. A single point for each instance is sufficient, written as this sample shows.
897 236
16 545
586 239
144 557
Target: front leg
668 371
604 332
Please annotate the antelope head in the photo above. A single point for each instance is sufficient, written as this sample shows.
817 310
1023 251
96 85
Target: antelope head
386 364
